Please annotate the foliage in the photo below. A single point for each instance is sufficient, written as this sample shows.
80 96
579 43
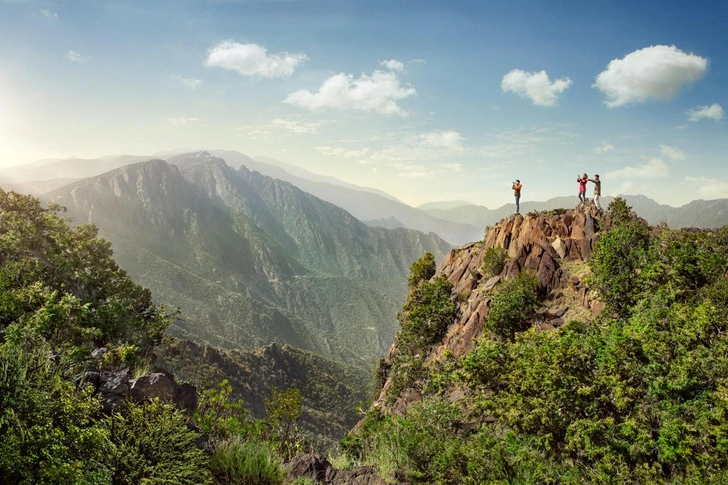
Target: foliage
617 261
48 433
426 315
639 395
238 462
283 409
494 260
512 306
64 282
548 213
152 445
422 270
219 416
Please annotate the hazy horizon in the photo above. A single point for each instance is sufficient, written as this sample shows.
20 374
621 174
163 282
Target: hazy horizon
434 103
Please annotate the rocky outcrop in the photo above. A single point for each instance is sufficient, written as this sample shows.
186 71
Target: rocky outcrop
315 466
541 244
117 385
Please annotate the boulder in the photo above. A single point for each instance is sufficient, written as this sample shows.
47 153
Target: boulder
156 385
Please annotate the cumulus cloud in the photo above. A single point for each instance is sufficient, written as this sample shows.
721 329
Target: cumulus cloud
654 168
181 121
656 72
536 86
50 14
254 60
393 65
709 187
377 93
76 57
713 112
672 153
603 148
187 82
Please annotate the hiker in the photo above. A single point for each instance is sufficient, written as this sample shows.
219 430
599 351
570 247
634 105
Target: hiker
597 192
516 186
582 188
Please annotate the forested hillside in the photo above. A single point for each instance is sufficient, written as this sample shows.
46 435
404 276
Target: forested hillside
251 260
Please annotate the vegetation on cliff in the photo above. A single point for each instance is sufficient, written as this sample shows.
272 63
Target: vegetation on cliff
63 298
637 395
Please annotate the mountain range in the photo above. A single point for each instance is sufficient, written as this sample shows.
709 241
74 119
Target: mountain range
702 214
249 259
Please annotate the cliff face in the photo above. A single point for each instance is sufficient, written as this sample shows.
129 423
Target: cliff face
553 246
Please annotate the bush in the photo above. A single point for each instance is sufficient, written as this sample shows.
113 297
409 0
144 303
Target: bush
422 270
238 462
494 260
48 433
512 306
152 445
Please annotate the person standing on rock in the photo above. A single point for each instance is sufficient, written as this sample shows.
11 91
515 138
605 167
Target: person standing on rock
516 186
582 181
597 192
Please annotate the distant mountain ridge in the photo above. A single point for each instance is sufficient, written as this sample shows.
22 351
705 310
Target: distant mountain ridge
364 205
252 260
703 214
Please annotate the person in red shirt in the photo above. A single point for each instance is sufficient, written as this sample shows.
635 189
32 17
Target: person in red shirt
516 186
582 181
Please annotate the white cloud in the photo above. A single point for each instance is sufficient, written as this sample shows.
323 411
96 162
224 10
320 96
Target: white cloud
672 153
536 86
603 148
443 139
342 152
656 72
713 112
654 168
182 121
393 65
49 14
377 93
418 61
297 127
254 60
187 82
709 187
76 57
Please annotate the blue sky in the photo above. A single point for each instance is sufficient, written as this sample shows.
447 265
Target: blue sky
425 100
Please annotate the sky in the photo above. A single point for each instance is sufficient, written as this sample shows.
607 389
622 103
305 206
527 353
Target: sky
426 100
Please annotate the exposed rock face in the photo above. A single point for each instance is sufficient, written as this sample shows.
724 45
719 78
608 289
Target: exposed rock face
539 244
117 385
316 467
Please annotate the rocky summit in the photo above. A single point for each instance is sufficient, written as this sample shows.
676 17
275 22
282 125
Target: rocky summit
552 245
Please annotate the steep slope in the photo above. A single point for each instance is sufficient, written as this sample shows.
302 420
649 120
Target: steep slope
332 391
553 247
251 260
362 204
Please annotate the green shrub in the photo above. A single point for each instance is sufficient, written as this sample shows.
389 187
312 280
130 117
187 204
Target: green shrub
428 312
494 260
48 434
238 462
422 270
152 445
512 306
283 409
